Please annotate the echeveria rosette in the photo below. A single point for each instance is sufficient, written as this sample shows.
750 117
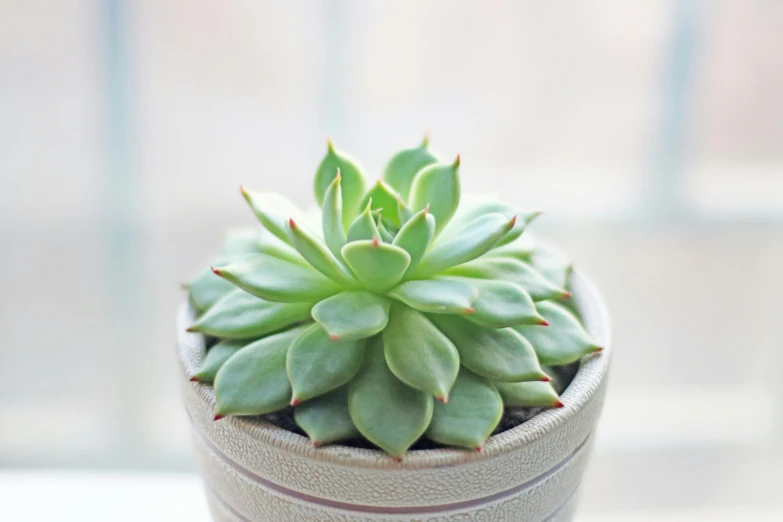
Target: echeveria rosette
402 315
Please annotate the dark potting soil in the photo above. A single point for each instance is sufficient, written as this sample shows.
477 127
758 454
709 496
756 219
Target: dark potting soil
512 417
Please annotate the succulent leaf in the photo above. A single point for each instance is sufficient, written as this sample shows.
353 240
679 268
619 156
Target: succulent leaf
326 419
528 394
206 288
472 413
386 236
563 341
437 186
273 211
378 266
404 213
383 198
386 411
522 249
318 255
439 296
352 183
364 226
474 208
332 218
499 354
269 244
403 167
473 241
216 356
501 304
241 241
552 266
316 364
415 237
240 315
352 315
513 271
418 353
254 381
278 280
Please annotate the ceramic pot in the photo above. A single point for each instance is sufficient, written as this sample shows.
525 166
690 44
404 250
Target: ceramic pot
255 471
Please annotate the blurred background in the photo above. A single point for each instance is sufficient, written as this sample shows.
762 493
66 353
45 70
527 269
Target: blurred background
651 133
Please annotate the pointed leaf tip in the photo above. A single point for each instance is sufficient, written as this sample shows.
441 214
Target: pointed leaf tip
425 142
598 349
444 399
194 379
334 337
545 378
397 459
218 417
291 223
191 328
559 404
566 295
243 190
543 323
329 144
295 402
316 444
479 449
337 176
375 242
214 270
512 222
457 162
469 310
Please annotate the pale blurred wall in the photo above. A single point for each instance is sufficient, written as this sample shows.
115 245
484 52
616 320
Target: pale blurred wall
649 131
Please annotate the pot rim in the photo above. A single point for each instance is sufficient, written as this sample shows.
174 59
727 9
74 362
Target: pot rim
592 371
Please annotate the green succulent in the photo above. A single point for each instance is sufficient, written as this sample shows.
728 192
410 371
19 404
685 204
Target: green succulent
401 314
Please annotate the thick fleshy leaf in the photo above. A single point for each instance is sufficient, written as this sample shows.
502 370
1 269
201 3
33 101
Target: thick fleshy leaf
352 183
499 354
563 341
206 288
241 241
466 245
528 395
332 218
404 213
364 226
273 211
254 380
404 166
240 315
326 419
472 413
415 236
501 304
440 296
269 244
352 315
388 412
278 280
553 267
418 353
316 364
383 198
216 356
378 266
522 249
513 271
473 208
386 236
437 186
318 255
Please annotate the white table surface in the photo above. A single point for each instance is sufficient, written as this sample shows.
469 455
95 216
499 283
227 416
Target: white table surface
94 496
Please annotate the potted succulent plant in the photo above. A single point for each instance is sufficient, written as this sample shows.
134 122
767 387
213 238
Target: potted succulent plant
404 357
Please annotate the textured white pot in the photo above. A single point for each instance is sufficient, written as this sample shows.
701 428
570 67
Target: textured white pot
255 471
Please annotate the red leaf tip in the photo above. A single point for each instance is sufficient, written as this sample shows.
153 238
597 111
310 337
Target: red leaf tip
469 310
215 270
243 190
191 329
375 242
295 402
543 323
194 379
427 209
316 444
559 404
444 399
512 222
397 459
457 162
545 378
479 449
218 417
291 223
566 295
598 349
334 337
